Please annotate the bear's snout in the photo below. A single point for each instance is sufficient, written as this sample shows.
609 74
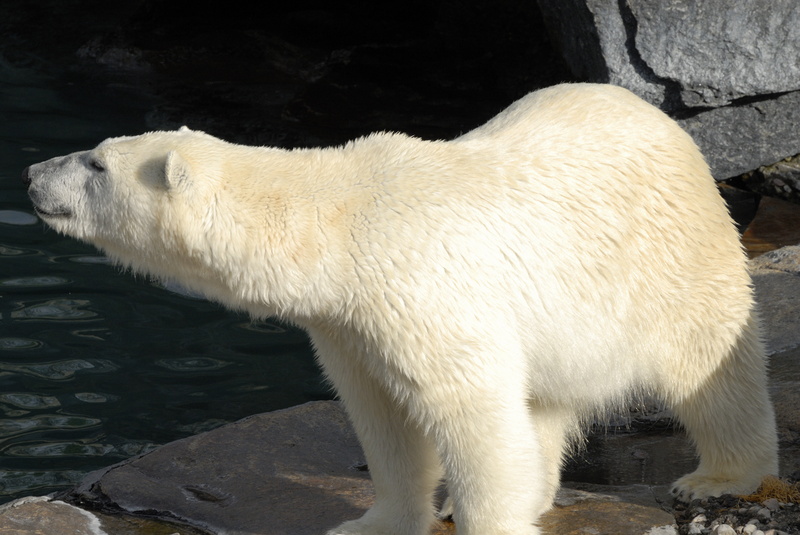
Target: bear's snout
26 177
51 187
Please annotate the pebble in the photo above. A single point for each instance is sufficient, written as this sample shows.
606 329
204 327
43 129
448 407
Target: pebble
772 504
723 529
695 529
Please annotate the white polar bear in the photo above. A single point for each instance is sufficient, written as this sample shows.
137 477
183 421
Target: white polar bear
474 301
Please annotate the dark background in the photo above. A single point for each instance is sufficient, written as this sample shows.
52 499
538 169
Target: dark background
297 73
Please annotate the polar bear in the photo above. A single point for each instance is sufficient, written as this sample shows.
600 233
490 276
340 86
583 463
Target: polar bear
475 301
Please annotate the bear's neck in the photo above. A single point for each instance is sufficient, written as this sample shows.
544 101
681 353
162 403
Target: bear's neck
295 214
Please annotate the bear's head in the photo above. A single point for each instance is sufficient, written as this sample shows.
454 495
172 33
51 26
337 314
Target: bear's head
184 206
139 199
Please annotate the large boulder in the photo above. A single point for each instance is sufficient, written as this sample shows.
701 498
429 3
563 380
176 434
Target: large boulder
728 70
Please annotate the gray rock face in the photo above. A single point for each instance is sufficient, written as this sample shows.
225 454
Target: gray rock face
739 138
729 69
719 51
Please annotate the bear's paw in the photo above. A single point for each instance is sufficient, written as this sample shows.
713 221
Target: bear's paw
446 510
699 485
363 527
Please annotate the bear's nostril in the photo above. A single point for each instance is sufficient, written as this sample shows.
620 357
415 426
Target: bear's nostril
26 176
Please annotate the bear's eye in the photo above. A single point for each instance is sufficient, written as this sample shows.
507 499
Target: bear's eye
96 165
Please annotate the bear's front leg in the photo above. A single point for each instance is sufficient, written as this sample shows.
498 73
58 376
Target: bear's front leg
402 461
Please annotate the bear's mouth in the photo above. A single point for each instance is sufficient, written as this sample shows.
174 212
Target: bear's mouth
54 211
44 214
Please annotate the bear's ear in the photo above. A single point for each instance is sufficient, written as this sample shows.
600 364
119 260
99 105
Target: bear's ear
184 129
176 171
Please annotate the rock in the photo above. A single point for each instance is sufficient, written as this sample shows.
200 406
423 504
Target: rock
695 528
776 276
772 504
719 51
293 471
45 516
662 530
727 70
596 44
781 179
29 516
740 138
630 510
682 54
723 529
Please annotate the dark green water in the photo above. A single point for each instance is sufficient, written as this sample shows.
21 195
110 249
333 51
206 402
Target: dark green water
95 364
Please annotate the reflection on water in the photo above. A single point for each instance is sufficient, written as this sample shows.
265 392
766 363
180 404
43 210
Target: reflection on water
13 217
97 365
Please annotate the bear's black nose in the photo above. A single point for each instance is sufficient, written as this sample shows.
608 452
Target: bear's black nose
26 177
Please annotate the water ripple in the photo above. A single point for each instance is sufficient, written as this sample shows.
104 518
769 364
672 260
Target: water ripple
58 370
29 401
79 449
192 364
18 426
16 344
15 481
60 449
33 282
94 397
55 309
5 250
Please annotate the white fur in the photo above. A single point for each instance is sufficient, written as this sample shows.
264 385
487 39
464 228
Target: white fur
473 301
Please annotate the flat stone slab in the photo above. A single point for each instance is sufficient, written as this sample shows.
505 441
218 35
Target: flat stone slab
606 510
300 471
294 471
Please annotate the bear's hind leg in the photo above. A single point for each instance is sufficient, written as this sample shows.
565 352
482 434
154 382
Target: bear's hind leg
730 419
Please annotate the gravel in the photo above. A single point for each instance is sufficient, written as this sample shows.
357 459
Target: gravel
737 515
